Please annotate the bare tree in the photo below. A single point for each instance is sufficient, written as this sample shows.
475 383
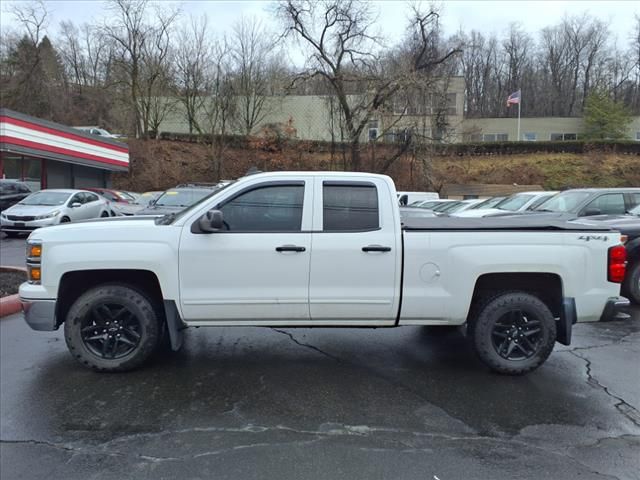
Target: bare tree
219 107
192 60
343 49
33 16
251 48
143 52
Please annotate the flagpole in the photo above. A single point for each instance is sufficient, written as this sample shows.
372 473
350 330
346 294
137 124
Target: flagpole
519 103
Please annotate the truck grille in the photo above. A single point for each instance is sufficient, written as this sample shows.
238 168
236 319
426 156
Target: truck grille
15 218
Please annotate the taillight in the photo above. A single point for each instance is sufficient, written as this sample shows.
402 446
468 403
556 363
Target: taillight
617 264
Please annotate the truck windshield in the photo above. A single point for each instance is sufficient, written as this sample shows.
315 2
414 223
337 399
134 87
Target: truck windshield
172 217
564 202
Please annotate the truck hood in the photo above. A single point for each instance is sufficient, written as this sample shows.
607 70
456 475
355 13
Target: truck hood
104 229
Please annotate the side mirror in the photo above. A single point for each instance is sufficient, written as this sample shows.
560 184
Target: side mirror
211 221
76 205
592 211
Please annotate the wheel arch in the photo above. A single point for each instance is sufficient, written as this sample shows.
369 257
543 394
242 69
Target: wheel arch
546 286
75 283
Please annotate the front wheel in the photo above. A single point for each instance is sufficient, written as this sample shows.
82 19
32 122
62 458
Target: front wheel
112 328
514 333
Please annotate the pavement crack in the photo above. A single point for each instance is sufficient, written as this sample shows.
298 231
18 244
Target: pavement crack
306 345
622 406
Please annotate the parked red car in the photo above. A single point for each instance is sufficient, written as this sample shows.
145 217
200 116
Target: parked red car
113 195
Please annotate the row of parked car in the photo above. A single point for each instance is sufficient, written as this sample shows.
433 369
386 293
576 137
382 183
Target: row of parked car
22 211
618 208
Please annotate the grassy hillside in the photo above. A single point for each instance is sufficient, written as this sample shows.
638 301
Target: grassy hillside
159 164
553 171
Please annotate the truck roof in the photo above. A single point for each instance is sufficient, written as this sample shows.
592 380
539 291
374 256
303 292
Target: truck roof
362 175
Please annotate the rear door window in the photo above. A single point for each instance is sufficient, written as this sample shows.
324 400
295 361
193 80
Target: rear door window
349 207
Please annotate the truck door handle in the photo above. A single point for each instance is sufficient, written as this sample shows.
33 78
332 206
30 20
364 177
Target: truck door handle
376 248
290 248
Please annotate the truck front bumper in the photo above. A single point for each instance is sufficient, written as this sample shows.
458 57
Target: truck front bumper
612 307
40 314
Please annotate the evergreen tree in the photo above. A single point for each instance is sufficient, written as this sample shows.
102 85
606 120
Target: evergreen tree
604 118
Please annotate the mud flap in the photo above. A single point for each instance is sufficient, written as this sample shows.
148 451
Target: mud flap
568 317
174 324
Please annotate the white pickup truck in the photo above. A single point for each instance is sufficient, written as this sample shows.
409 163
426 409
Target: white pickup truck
302 249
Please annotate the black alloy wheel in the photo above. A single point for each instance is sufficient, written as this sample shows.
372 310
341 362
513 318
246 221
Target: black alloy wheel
516 335
110 330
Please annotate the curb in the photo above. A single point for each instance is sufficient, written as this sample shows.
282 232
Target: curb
10 304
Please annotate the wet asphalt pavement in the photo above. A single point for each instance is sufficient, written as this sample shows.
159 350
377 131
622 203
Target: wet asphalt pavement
245 403
260 403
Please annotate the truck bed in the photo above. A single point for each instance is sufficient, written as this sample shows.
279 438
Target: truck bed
520 223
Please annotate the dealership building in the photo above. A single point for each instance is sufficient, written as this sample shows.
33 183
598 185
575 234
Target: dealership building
50 155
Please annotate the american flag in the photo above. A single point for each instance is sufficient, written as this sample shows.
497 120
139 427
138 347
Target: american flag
513 99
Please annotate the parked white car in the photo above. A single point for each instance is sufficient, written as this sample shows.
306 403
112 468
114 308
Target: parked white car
518 202
51 207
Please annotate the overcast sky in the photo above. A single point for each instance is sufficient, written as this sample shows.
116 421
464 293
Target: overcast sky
486 16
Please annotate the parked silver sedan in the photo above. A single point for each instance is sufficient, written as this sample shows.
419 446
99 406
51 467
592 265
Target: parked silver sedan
51 207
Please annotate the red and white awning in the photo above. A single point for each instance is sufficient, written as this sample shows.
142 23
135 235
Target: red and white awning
39 138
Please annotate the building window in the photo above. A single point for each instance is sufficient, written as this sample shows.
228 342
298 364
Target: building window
638 136
373 130
530 137
495 137
554 137
451 104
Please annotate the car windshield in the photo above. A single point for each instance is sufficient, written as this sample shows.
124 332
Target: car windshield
447 207
488 203
456 207
181 198
564 202
126 196
514 202
46 198
147 197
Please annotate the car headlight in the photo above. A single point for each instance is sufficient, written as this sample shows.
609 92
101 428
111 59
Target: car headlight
3 216
55 213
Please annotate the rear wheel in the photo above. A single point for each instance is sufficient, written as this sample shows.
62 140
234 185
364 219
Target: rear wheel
632 283
514 333
104 214
112 328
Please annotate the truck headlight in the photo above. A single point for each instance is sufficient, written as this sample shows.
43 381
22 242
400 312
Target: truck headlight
34 261
55 213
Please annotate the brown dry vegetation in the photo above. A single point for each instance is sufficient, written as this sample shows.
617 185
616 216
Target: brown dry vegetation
160 164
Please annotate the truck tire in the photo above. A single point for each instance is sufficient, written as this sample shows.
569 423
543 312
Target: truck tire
513 333
112 328
632 283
